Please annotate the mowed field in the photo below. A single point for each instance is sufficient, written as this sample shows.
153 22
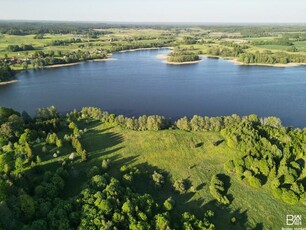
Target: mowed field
178 155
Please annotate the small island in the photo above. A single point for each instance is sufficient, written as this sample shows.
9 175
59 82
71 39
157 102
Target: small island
182 56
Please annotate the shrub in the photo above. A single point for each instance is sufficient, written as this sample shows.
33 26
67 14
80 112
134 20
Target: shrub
105 164
169 204
158 179
254 182
180 186
289 196
229 166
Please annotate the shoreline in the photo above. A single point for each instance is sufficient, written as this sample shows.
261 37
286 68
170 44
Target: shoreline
236 62
7 82
78 63
182 63
107 59
63 65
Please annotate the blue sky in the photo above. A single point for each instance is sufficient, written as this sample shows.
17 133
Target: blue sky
230 11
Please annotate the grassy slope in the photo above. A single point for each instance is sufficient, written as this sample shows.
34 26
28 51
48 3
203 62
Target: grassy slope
173 152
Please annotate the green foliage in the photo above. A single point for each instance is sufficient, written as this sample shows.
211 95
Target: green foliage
180 185
254 182
158 179
106 163
27 205
182 56
6 73
289 196
169 204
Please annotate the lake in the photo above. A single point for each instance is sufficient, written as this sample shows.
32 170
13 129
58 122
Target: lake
139 83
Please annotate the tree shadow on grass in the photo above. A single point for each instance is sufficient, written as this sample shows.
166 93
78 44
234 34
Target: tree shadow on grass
96 140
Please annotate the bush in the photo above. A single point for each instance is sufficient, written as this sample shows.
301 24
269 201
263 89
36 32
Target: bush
229 166
158 179
289 196
169 204
180 186
254 182
105 164
277 193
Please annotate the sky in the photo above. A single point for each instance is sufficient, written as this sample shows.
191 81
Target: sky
200 11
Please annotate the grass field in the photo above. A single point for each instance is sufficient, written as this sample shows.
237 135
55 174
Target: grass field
173 152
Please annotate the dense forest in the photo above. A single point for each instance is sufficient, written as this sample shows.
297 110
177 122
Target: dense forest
41 155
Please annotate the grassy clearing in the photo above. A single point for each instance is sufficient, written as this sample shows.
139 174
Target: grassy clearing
179 155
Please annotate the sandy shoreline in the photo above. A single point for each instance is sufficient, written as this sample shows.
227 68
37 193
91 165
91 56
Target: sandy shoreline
7 82
182 63
78 63
162 56
107 59
63 65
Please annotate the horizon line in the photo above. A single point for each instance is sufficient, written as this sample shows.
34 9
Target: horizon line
154 22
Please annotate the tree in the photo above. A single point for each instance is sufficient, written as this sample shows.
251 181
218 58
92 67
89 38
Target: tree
19 163
84 155
158 179
105 164
161 222
28 151
169 204
183 124
27 205
180 186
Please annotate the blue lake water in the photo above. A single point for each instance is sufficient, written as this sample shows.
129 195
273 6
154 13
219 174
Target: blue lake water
139 83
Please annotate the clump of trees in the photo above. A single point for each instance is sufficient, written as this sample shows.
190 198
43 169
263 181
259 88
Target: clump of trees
6 73
65 42
15 48
271 154
285 41
198 123
271 58
224 51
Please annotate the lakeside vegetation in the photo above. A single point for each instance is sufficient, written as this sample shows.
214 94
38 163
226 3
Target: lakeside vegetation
26 45
93 169
182 56
6 73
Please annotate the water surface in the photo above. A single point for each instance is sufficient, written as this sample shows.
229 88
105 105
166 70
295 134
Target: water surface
139 83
